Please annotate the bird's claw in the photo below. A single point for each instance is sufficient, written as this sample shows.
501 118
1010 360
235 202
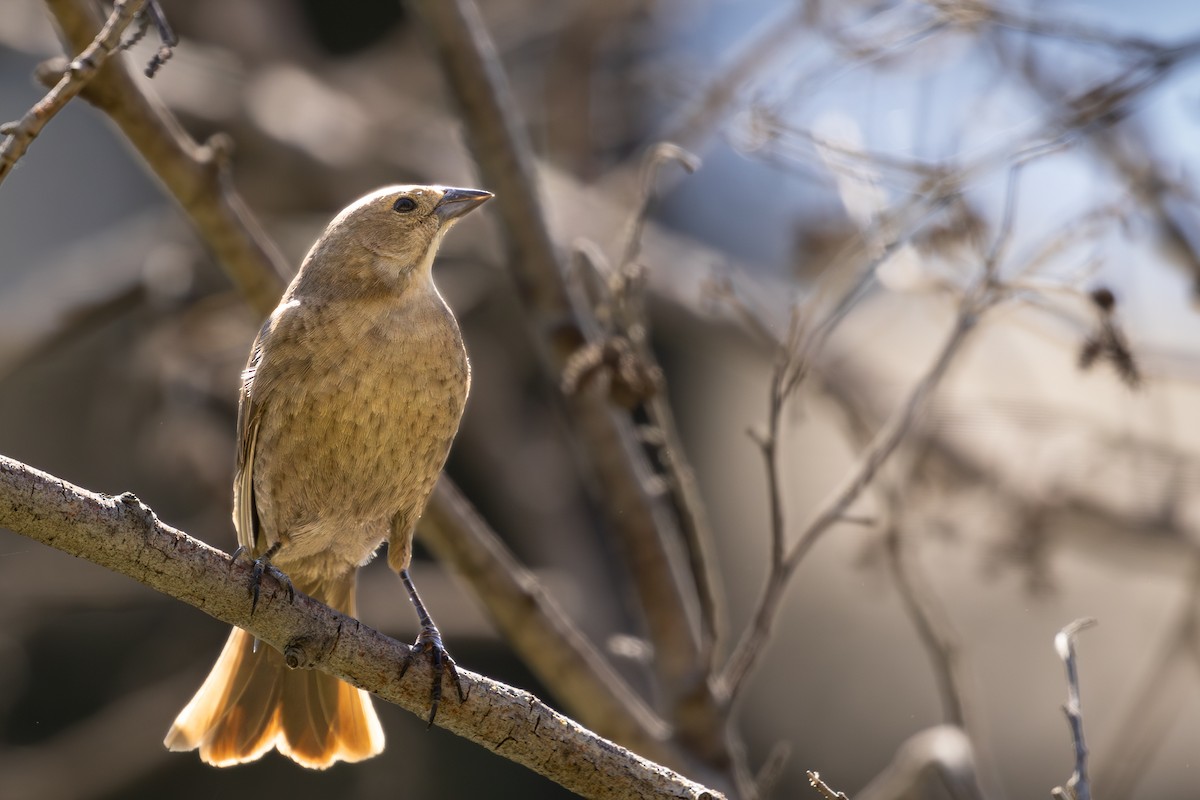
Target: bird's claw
430 642
260 566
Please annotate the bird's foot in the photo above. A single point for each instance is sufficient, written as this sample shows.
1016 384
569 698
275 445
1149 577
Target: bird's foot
430 643
260 566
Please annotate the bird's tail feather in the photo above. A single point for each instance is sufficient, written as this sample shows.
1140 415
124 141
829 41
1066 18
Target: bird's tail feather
252 702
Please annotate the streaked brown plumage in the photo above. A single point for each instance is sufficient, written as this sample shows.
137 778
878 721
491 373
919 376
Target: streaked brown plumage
349 403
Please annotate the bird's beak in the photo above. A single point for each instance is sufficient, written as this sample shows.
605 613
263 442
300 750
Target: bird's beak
456 202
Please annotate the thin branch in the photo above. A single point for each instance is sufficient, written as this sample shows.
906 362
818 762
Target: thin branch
641 517
166 37
995 255
902 224
1078 787
930 620
78 73
798 350
752 645
658 156
1071 30
814 780
921 603
545 639
197 176
124 535
769 447
631 321
889 438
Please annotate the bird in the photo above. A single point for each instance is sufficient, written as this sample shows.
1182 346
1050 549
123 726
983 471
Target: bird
349 403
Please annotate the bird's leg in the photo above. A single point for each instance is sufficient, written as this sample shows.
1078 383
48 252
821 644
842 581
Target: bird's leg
263 564
430 641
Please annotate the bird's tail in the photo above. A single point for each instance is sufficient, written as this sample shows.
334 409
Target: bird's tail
252 702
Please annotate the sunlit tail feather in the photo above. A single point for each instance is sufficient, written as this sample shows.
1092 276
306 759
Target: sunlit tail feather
251 702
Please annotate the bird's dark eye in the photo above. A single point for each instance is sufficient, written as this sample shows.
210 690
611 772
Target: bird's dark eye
404 205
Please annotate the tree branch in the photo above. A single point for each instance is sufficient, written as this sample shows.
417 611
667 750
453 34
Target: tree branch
1078 787
563 659
77 74
124 535
633 323
752 645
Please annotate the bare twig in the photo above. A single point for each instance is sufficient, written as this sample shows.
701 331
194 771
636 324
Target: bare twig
656 158
921 603
122 534
814 780
1072 30
166 37
751 646
940 185
628 320
78 73
930 620
622 343
1078 787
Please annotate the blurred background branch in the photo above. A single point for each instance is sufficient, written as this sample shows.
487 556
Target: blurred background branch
18 135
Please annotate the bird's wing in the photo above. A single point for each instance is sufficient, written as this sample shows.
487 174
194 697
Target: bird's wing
250 408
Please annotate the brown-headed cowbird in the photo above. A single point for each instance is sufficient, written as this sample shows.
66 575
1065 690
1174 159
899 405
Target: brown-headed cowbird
349 403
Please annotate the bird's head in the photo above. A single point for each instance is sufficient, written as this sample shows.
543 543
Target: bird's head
390 235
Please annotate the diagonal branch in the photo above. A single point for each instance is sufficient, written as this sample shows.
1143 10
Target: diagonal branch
122 534
564 660
77 74
928 616
752 645
921 603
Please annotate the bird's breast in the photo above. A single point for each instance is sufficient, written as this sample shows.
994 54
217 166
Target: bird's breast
359 421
